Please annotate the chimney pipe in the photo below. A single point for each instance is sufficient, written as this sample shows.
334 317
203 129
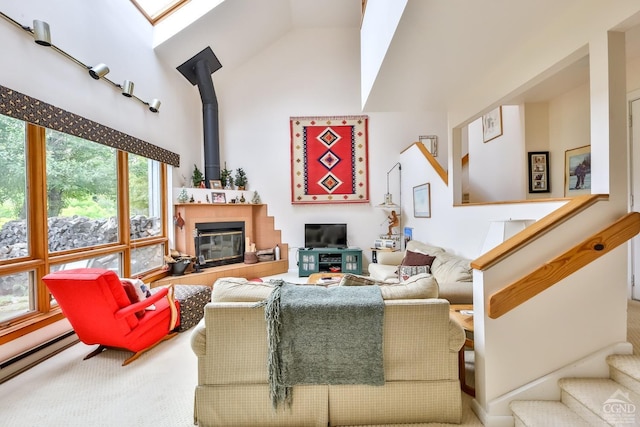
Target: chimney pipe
198 71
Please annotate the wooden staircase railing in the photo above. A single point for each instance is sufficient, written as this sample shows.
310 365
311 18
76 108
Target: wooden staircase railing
432 161
563 265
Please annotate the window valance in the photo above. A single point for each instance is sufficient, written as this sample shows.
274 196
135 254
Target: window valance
23 107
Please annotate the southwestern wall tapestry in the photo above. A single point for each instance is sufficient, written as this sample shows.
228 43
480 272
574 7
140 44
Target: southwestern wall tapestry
329 159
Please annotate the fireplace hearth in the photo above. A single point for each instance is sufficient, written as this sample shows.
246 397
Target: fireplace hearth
219 243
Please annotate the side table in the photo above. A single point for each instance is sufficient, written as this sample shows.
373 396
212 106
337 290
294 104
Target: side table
374 253
462 314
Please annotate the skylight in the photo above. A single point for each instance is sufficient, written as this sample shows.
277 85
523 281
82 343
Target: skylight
154 10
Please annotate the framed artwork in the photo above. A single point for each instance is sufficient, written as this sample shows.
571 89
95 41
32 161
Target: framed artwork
422 201
577 171
492 125
215 184
218 197
431 143
539 172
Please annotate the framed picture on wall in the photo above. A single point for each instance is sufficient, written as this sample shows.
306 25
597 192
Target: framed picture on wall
492 125
422 201
539 172
577 171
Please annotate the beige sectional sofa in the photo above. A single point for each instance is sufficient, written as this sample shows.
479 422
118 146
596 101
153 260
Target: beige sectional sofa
453 273
420 353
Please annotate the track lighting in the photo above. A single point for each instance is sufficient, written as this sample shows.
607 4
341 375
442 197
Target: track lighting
41 33
154 105
42 36
127 88
98 71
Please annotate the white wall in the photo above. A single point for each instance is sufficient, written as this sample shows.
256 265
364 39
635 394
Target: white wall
257 101
495 167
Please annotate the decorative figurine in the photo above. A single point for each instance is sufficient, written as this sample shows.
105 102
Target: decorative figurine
256 198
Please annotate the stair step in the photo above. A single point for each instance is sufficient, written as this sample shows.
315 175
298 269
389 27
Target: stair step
544 413
625 369
588 397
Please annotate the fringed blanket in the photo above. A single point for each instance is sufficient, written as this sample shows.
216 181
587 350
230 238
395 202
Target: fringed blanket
320 335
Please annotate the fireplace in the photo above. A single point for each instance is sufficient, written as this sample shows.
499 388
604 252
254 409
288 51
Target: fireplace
219 243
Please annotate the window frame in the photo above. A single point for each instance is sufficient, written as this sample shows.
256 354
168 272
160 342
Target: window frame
40 260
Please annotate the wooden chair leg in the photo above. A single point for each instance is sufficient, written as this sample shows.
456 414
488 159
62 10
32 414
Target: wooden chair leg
95 352
139 353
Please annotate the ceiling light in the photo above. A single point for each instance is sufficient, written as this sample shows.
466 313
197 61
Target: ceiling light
127 88
154 105
98 71
41 33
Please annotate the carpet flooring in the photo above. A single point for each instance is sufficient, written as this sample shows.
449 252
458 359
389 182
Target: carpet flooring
155 390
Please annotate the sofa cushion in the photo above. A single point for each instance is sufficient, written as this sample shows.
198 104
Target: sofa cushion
451 268
423 248
235 289
416 287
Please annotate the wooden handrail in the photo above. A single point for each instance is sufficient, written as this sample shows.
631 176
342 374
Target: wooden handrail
536 230
563 265
432 161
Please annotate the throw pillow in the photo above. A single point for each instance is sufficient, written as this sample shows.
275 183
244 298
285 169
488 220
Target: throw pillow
130 290
406 271
355 280
416 258
142 290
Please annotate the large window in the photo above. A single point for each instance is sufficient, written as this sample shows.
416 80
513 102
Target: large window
68 202
82 193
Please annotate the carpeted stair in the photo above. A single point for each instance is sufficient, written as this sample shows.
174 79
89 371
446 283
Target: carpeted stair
584 401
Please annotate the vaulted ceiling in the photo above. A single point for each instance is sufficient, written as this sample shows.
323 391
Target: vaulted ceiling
439 43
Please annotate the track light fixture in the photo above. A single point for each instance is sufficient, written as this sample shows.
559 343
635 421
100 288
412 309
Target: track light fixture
154 105
98 71
42 36
127 88
41 33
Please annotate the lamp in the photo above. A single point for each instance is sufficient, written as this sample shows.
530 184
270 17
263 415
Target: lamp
388 200
127 88
41 33
499 231
154 105
98 71
42 36
388 204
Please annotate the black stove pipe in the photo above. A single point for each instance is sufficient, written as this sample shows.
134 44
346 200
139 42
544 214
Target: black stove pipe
209 121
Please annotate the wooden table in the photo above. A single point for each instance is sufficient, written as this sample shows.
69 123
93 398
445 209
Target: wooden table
457 313
316 278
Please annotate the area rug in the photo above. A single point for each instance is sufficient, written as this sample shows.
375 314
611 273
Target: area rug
329 159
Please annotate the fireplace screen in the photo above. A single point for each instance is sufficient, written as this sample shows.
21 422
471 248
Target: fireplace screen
219 243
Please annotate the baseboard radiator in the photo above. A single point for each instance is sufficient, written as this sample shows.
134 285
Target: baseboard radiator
23 361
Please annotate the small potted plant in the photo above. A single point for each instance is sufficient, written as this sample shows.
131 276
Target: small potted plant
240 179
197 177
225 177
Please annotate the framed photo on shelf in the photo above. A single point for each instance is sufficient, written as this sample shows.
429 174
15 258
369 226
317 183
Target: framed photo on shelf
215 184
218 197
492 125
539 172
422 201
577 171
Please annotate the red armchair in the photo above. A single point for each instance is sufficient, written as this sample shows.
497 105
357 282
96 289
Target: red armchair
99 310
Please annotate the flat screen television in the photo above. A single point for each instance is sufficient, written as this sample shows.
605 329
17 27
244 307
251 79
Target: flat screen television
325 236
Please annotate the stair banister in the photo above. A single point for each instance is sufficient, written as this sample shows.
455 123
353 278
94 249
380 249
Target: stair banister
563 265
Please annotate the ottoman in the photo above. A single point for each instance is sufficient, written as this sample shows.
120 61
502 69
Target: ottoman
191 300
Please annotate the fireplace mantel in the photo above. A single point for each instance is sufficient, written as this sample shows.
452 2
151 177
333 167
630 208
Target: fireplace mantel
259 228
